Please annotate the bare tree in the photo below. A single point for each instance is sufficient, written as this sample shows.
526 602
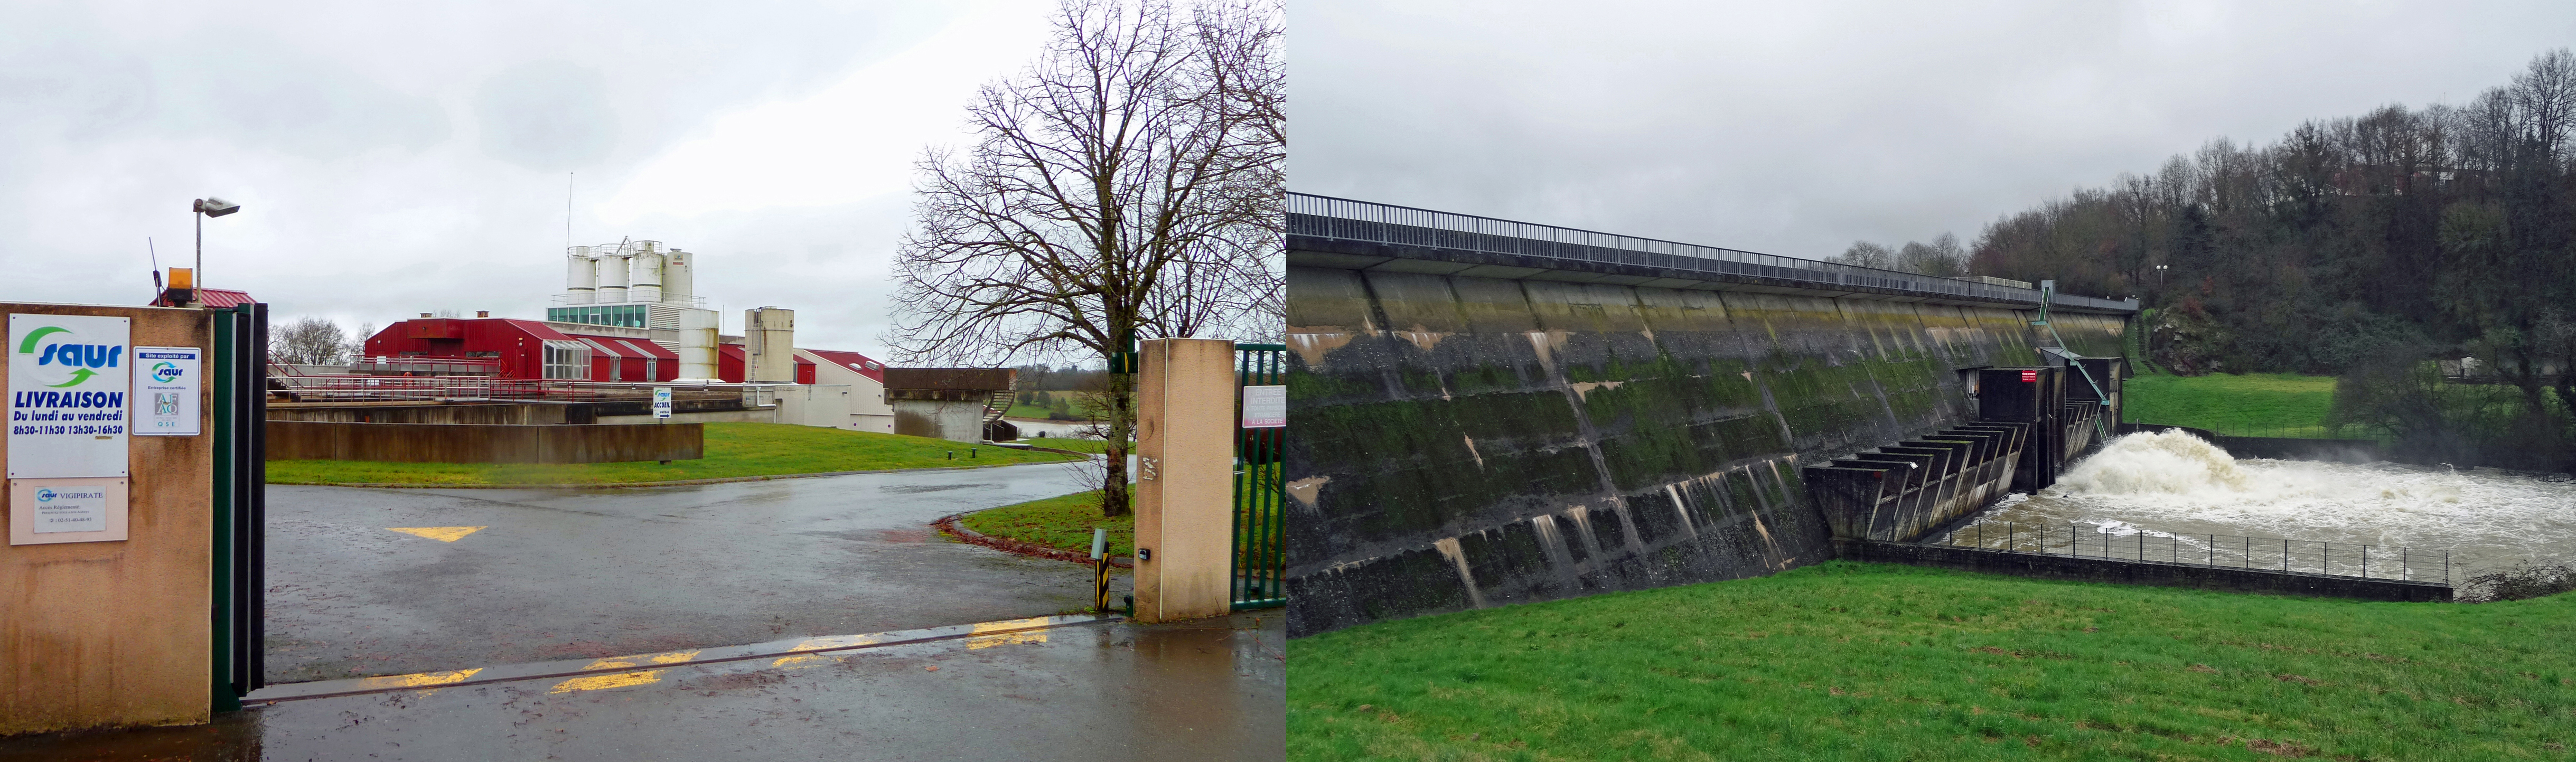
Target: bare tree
1866 254
1128 184
358 342
309 341
1941 258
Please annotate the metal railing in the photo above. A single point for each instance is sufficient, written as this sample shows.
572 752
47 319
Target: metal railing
371 388
1346 219
591 300
2212 550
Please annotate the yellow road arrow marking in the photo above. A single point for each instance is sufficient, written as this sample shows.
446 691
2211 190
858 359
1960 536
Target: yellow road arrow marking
441 534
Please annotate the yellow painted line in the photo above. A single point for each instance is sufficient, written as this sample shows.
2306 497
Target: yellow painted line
1012 624
611 680
983 640
441 534
1004 639
623 679
801 660
417 680
638 660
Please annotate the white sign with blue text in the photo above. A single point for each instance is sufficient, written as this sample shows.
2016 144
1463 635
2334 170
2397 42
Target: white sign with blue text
165 390
70 377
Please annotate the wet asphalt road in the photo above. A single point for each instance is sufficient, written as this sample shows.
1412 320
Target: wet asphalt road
558 574
1213 690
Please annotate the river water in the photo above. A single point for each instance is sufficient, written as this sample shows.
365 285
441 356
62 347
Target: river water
2180 490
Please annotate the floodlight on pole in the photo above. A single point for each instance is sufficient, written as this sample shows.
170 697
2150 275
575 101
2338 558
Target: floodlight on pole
204 208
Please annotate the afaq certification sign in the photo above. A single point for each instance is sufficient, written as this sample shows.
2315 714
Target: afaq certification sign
165 390
69 376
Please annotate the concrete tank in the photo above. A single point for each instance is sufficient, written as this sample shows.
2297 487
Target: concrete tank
676 285
644 273
612 277
581 276
769 345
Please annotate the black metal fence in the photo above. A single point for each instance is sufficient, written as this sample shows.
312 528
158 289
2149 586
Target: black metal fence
1328 217
2216 550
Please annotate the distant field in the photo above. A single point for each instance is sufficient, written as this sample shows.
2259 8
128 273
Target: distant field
1093 446
733 450
2254 404
1880 662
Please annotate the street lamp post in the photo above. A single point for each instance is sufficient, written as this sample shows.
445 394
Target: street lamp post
204 208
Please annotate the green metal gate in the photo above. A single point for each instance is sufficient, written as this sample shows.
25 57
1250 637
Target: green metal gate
238 366
1260 563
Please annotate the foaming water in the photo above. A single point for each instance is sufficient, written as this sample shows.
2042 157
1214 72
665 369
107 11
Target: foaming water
2172 483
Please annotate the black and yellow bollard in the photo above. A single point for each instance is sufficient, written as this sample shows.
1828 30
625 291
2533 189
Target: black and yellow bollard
1100 569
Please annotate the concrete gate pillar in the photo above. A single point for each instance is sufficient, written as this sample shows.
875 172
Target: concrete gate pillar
112 628
1184 478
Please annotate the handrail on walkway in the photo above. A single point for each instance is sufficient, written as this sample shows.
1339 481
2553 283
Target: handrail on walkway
1347 219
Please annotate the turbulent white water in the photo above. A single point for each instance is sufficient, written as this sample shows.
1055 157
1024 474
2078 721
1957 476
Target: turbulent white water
2171 483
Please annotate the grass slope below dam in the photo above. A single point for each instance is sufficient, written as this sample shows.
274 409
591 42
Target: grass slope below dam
2250 405
1880 662
733 450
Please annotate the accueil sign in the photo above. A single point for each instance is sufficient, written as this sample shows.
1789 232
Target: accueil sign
69 385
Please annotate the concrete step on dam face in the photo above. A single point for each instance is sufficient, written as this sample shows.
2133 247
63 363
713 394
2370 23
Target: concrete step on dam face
1465 442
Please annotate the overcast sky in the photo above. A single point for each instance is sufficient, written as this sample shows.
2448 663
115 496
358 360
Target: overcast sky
1798 128
393 158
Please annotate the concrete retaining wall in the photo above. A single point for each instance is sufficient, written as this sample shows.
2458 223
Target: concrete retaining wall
1469 441
2129 572
472 443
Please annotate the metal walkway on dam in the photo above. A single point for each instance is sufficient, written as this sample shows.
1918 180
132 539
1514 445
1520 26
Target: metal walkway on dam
1491 412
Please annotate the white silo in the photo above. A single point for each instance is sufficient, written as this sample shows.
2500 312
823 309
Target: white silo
581 277
644 273
698 347
676 287
612 276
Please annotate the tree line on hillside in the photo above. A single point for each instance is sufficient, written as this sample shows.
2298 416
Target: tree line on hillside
2362 246
1942 258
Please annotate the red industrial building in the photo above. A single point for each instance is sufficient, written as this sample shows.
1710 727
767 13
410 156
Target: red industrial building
534 349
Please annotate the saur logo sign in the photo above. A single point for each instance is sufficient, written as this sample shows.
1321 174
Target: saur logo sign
69 381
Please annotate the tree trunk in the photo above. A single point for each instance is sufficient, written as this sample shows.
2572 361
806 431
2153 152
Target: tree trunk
1115 497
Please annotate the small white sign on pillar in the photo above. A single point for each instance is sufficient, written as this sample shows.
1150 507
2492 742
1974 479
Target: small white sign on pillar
661 402
166 390
66 510
1265 407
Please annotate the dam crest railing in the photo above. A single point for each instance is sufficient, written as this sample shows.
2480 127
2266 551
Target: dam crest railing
1366 221
2277 554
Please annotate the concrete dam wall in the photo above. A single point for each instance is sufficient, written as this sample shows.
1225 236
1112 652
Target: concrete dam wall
1471 433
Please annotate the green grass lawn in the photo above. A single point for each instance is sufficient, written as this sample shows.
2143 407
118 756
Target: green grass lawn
2254 404
1063 522
733 450
1882 662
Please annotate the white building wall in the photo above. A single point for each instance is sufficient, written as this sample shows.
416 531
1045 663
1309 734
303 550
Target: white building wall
868 408
817 405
